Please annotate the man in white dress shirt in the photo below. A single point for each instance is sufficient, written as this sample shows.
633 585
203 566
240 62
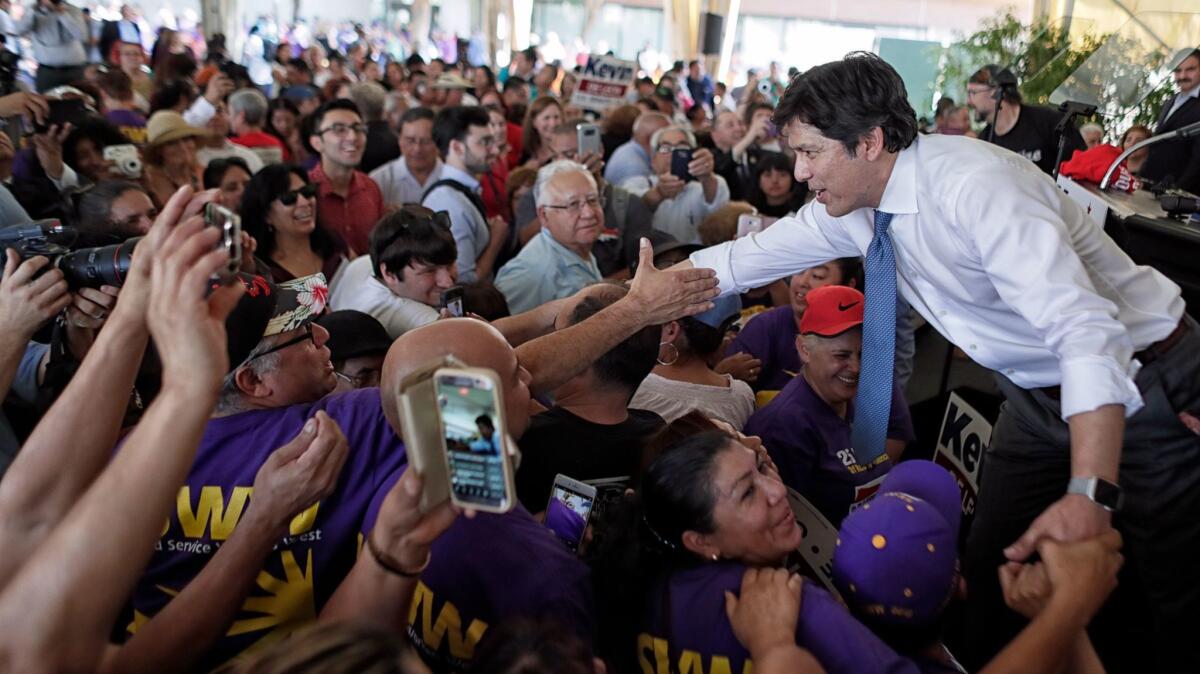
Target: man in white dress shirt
405 179
1096 357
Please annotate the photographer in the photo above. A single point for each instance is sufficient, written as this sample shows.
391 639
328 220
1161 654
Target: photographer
58 32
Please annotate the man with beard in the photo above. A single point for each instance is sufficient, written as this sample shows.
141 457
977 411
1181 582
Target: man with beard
1028 130
468 149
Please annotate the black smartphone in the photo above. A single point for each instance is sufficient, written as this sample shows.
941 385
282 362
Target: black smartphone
65 111
452 299
680 158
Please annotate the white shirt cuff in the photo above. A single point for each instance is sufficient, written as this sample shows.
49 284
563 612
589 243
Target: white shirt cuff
199 113
1088 382
67 180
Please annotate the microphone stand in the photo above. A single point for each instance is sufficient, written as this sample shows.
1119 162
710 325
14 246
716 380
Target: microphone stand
1188 131
1070 110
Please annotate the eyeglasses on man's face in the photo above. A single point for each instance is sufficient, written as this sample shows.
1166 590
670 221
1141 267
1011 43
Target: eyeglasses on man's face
575 206
342 130
298 339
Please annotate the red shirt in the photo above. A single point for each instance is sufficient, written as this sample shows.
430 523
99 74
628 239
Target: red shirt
257 139
516 143
492 190
351 217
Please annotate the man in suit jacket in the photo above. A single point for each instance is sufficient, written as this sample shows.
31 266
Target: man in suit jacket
124 30
1179 158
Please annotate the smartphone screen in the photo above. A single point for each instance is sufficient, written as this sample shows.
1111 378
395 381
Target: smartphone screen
452 300
568 511
471 429
749 223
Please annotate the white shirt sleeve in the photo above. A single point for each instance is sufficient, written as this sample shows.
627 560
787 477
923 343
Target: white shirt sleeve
1025 248
199 112
789 246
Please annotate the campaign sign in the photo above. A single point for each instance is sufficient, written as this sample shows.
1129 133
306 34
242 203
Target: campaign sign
815 558
604 83
962 440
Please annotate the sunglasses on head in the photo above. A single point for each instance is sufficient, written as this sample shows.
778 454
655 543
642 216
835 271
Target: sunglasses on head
289 198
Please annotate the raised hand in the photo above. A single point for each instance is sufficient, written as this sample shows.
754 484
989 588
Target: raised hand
27 300
186 322
403 535
764 617
300 473
742 366
667 294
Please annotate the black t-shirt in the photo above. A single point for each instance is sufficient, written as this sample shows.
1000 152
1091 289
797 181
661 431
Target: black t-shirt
558 441
1034 137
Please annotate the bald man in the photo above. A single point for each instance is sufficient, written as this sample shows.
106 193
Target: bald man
633 158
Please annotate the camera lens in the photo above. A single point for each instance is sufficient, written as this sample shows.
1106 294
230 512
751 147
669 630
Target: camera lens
94 267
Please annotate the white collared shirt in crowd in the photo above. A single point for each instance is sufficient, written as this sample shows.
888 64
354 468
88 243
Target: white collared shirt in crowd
681 216
399 185
355 287
998 260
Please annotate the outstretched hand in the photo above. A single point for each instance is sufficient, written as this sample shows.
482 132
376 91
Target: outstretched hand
664 295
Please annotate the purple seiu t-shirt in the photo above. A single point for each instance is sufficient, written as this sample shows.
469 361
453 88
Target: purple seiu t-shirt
810 444
771 337
489 568
322 543
687 630
131 123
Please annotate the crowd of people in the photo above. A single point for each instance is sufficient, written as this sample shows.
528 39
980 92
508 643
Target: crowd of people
700 302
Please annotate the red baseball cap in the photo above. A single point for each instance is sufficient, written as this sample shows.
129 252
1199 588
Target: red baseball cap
831 311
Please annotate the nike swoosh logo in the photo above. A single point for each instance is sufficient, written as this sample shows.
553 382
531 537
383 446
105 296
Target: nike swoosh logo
846 307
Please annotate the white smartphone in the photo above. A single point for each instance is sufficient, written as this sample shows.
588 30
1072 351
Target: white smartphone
440 409
569 509
749 223
588 136
470 412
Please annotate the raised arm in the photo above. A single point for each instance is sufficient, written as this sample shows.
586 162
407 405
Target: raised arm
74 440
379 588
655 297
59 609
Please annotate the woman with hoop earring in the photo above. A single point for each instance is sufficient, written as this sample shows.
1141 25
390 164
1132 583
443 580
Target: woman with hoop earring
683 380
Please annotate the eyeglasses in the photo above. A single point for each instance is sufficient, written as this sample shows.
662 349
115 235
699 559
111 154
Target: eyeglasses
419 142
307 336
595 201
289 198
339 129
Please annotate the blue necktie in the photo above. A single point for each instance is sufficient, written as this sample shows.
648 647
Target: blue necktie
873 404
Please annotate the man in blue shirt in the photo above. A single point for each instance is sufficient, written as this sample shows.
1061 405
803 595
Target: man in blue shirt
468 148
558 262
632 159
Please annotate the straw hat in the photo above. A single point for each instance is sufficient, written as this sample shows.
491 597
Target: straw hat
166 126
452 81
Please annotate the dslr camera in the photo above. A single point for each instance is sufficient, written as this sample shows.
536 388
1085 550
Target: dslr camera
94 266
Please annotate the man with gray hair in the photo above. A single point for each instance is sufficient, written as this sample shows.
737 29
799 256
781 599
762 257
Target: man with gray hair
680 204
632 159
247 116
382 143
558 262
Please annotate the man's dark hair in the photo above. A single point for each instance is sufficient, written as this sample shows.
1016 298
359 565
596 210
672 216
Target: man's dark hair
1185 54
1002 78
93 212
414 61
412 234
215 172
455 123
530 53
751 108
416 115
627 364
335 104
116 84
485 420
300 64
170 93
845 99
693 62
514 81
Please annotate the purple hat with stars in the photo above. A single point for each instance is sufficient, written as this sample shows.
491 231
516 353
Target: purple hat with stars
896 559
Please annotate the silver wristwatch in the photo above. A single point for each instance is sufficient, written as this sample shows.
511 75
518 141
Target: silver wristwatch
1102 492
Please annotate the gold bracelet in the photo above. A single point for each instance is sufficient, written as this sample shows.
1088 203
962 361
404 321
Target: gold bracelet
391 566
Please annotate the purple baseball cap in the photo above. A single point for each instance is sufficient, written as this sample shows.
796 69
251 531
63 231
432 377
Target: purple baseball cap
896 559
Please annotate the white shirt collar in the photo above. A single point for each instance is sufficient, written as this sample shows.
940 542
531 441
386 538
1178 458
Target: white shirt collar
900 193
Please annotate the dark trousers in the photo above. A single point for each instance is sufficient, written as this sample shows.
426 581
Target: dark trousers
1150 623
49 77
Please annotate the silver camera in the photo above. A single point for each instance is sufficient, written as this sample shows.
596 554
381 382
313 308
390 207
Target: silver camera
126 160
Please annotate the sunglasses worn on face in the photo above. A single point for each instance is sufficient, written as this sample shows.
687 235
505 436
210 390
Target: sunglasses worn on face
289 198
